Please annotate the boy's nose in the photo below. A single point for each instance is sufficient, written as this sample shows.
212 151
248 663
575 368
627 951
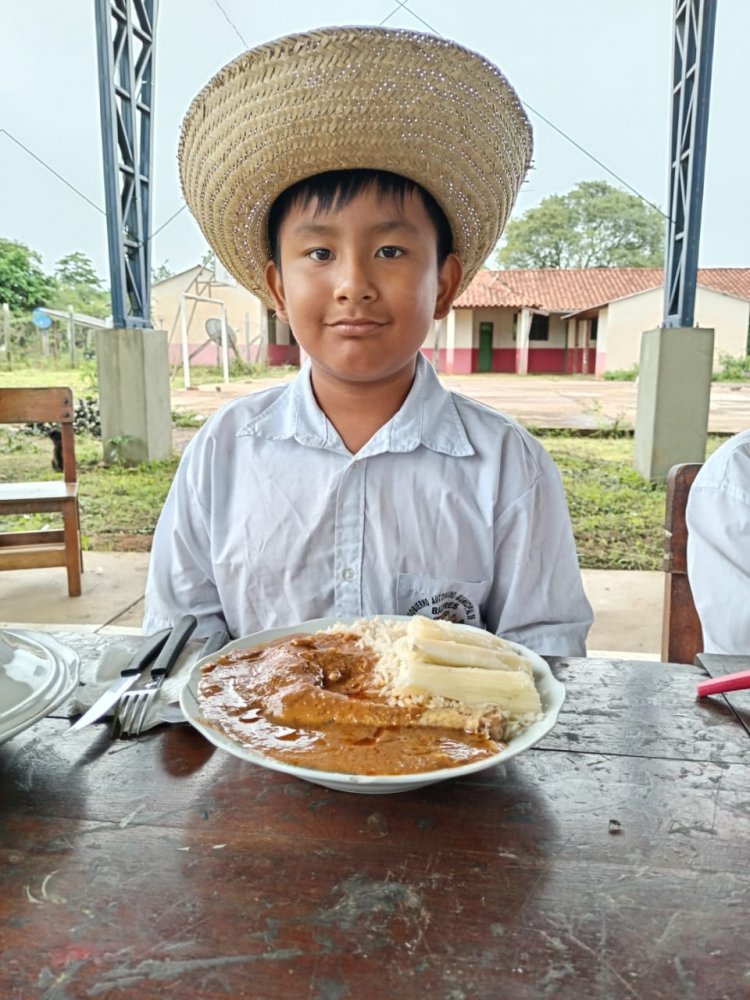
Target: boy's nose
354 283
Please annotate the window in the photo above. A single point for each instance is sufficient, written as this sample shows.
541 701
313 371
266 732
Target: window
593 330
539 327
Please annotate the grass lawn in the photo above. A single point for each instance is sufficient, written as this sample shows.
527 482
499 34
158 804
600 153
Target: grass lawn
47 371
119 506
617 517
82 380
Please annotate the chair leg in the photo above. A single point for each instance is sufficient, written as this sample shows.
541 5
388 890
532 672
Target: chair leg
72 548
80 546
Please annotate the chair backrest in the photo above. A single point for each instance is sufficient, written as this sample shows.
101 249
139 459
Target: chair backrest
48 405
681 635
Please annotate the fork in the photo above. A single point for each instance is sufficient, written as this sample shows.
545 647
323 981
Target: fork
132 708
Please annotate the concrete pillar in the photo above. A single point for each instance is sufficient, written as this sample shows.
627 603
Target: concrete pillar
450 342
586 329
674 388
523 326
134 396
265 336
601 344
439 331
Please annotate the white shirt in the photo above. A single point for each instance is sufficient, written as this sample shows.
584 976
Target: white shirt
718 548
451 509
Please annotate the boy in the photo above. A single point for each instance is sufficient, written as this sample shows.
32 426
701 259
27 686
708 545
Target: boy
718 547
356 179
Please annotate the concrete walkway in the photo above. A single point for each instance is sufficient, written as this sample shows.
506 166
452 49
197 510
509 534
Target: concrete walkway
627 604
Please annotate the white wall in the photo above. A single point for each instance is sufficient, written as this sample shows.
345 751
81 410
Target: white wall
628 318
728 316
240 303
502 326
464 329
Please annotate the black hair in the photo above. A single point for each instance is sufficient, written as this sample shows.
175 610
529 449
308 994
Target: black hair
337 188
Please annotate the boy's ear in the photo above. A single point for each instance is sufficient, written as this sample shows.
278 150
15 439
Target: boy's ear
449 281
275 286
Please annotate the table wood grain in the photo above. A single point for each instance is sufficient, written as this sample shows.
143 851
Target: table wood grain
608 862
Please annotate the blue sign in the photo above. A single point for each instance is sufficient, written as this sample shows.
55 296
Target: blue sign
40 318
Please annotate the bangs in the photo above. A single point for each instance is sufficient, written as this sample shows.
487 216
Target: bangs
335 189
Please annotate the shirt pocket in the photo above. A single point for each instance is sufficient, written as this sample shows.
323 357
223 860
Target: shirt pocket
452 600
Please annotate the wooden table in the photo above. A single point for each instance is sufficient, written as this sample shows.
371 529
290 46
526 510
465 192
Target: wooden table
610 861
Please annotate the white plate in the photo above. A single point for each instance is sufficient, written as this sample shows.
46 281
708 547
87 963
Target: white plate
37 674
551 692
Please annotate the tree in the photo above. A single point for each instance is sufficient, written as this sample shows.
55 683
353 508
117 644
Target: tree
78 285
161 273
594 225
76 269
23 283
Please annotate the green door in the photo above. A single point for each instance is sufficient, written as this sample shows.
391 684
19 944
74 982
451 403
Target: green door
485 347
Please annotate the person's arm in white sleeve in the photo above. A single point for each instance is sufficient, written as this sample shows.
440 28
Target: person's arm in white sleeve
180 578
538 597
718 558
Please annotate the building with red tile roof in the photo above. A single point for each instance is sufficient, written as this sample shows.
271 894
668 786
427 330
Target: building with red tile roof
580 321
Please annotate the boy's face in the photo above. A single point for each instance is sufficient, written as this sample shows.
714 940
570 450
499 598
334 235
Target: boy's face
360 285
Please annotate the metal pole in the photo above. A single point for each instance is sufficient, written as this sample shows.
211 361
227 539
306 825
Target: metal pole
72 336
224 344
6 330
694 29
125 50
185 345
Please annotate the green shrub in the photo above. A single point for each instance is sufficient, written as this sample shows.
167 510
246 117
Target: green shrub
622 374
732 369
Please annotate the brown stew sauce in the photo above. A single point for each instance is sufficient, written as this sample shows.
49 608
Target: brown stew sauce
304 700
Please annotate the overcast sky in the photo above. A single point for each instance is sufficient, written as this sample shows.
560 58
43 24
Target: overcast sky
598 69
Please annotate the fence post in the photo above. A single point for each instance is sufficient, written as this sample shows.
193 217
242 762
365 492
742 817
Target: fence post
6 331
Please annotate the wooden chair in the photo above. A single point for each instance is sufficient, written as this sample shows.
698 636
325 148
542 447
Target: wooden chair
681 634
62 547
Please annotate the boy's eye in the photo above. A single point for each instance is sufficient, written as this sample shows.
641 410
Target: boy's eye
390 253
320 253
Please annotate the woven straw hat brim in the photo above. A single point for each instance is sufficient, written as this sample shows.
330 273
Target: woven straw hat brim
340 98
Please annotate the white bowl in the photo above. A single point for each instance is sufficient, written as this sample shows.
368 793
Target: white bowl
551 692
37 674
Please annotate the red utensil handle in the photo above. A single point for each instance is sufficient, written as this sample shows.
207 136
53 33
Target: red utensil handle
730 682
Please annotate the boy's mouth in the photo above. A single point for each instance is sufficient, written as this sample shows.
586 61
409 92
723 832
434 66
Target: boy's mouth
356 325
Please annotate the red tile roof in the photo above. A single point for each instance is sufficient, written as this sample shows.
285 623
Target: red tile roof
494 289
563 291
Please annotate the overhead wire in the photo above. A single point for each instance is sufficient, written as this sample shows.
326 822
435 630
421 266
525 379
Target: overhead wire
4 131
403 5
231 22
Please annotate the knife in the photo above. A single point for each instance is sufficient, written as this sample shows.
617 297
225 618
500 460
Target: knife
729 682
183 629
720 666
128 677
217 640
214 642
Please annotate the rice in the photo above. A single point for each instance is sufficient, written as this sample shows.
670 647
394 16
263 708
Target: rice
389 640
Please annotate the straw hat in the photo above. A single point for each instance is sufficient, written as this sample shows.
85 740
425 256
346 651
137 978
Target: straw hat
340 98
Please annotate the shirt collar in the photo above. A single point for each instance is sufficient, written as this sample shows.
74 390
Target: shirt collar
427 417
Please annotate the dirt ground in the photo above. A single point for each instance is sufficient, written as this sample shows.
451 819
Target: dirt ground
587 403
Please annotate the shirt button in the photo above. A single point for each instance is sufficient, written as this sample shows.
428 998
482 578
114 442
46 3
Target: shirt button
349 574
